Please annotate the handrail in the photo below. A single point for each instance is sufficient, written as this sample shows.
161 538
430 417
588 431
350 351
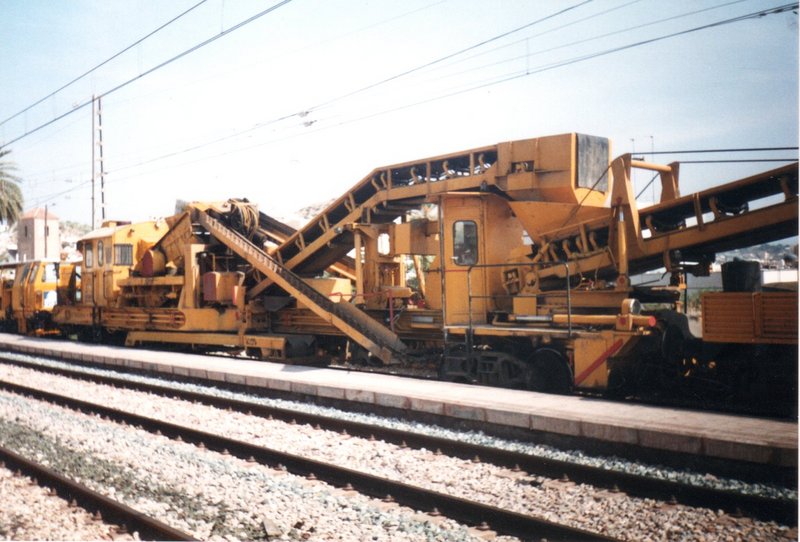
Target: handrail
468 335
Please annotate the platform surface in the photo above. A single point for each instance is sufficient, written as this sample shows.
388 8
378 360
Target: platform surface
705 434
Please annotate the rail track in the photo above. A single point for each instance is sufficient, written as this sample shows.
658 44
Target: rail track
459 509
111 510
781 510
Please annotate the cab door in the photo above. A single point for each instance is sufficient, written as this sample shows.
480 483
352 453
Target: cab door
18 292
104 285
47 286
87 280
29 303
464 253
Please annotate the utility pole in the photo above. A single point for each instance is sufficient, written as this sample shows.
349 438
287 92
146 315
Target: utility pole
45 231
94 146
97 159
46 228
652 159
635 171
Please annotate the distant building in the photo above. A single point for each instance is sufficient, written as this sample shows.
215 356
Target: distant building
38 235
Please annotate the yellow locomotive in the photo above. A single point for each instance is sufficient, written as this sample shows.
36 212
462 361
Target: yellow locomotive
521 255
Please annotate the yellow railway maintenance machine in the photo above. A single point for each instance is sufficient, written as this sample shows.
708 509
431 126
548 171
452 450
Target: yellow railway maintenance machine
507 265
29 291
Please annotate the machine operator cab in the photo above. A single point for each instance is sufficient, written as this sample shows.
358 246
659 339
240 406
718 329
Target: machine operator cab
30 292
548 179
109 255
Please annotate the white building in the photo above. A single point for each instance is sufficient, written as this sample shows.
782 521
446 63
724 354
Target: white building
38 235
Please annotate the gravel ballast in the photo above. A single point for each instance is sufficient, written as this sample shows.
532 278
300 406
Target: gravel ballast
578 505
212 496
30 512
474 437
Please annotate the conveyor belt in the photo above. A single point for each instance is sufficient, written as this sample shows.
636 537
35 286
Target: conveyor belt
727 197
381 197
704 223
278 232
517 169
356 324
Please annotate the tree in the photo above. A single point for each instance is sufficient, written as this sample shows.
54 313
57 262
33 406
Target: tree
10 191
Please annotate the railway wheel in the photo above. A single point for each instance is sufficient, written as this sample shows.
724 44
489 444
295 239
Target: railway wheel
457 366
678 360
511 371
549 372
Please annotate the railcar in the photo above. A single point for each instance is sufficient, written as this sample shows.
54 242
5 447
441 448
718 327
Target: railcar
506 265
28 293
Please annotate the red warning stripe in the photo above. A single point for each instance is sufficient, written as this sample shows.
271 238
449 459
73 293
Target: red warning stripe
598 362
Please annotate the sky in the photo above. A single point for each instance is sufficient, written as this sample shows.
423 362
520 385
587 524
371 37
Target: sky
293 107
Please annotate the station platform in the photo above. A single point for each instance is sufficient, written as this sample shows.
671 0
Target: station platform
709 436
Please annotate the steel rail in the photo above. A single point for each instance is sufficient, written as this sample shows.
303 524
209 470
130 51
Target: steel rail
114 511
785 511
457 508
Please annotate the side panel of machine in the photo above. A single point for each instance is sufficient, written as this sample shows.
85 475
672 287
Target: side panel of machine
750 317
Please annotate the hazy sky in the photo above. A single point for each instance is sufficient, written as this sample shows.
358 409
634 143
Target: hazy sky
298 105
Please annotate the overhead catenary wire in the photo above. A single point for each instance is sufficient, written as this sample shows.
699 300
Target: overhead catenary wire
753 15
151 70
392 78
495 81
605 35
504 79
527 73
258 125
103 63
745 149
449 56
721 161
574 60
743 160
57 195
529 54
349 94
282 54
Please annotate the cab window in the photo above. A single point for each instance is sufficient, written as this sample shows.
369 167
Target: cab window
74 285
592 162
100 254
465 242
50 273
24 275
88 255
31 276
123 254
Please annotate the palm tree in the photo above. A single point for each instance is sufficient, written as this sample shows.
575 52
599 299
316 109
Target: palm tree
10 191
